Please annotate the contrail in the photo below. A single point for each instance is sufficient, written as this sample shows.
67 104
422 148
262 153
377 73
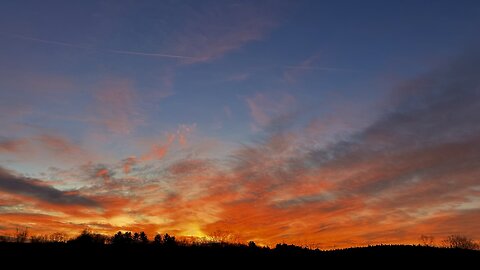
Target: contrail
51 42
318 68
125 52
150 54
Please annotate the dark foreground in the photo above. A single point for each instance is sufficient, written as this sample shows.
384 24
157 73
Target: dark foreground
65 256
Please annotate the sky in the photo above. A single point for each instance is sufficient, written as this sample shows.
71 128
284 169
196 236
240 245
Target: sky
317 123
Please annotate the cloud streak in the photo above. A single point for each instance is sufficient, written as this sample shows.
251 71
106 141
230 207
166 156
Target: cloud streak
36 189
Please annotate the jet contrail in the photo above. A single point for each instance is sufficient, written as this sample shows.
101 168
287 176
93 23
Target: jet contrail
150 54
66 44
51 42
318 68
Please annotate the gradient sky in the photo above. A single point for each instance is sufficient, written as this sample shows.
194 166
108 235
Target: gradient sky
320 123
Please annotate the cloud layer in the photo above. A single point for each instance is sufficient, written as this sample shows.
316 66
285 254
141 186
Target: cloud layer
413 171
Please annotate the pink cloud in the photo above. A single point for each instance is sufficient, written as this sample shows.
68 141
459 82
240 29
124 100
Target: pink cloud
103 173
58 145
183 131
35 83
12 145
158 151
265 108
210 33
45 147
237 77
163 84
115 106
128 163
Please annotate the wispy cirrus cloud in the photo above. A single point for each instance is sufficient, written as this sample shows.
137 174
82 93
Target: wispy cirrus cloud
11 145
115 106
266 108
59 145
37 147
210 32
311 64
238 77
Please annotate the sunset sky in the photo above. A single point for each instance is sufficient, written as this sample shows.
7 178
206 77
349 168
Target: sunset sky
320 123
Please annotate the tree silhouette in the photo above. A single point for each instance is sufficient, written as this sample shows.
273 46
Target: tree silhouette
127 237
460 241
143 238
158 239
21 235
89 238
136 238
133 247
117 238
169 240
123 238
57 237
39 239
427 240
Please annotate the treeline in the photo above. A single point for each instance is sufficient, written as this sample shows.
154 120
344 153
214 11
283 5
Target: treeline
119 238
126 238
87 237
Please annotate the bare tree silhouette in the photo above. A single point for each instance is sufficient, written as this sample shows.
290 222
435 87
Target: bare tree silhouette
427 240
21 235
57 237
460 241
39 239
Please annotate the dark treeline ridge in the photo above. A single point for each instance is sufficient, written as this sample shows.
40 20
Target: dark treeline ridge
122 249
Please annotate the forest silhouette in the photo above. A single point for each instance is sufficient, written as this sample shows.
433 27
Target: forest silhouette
136 248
